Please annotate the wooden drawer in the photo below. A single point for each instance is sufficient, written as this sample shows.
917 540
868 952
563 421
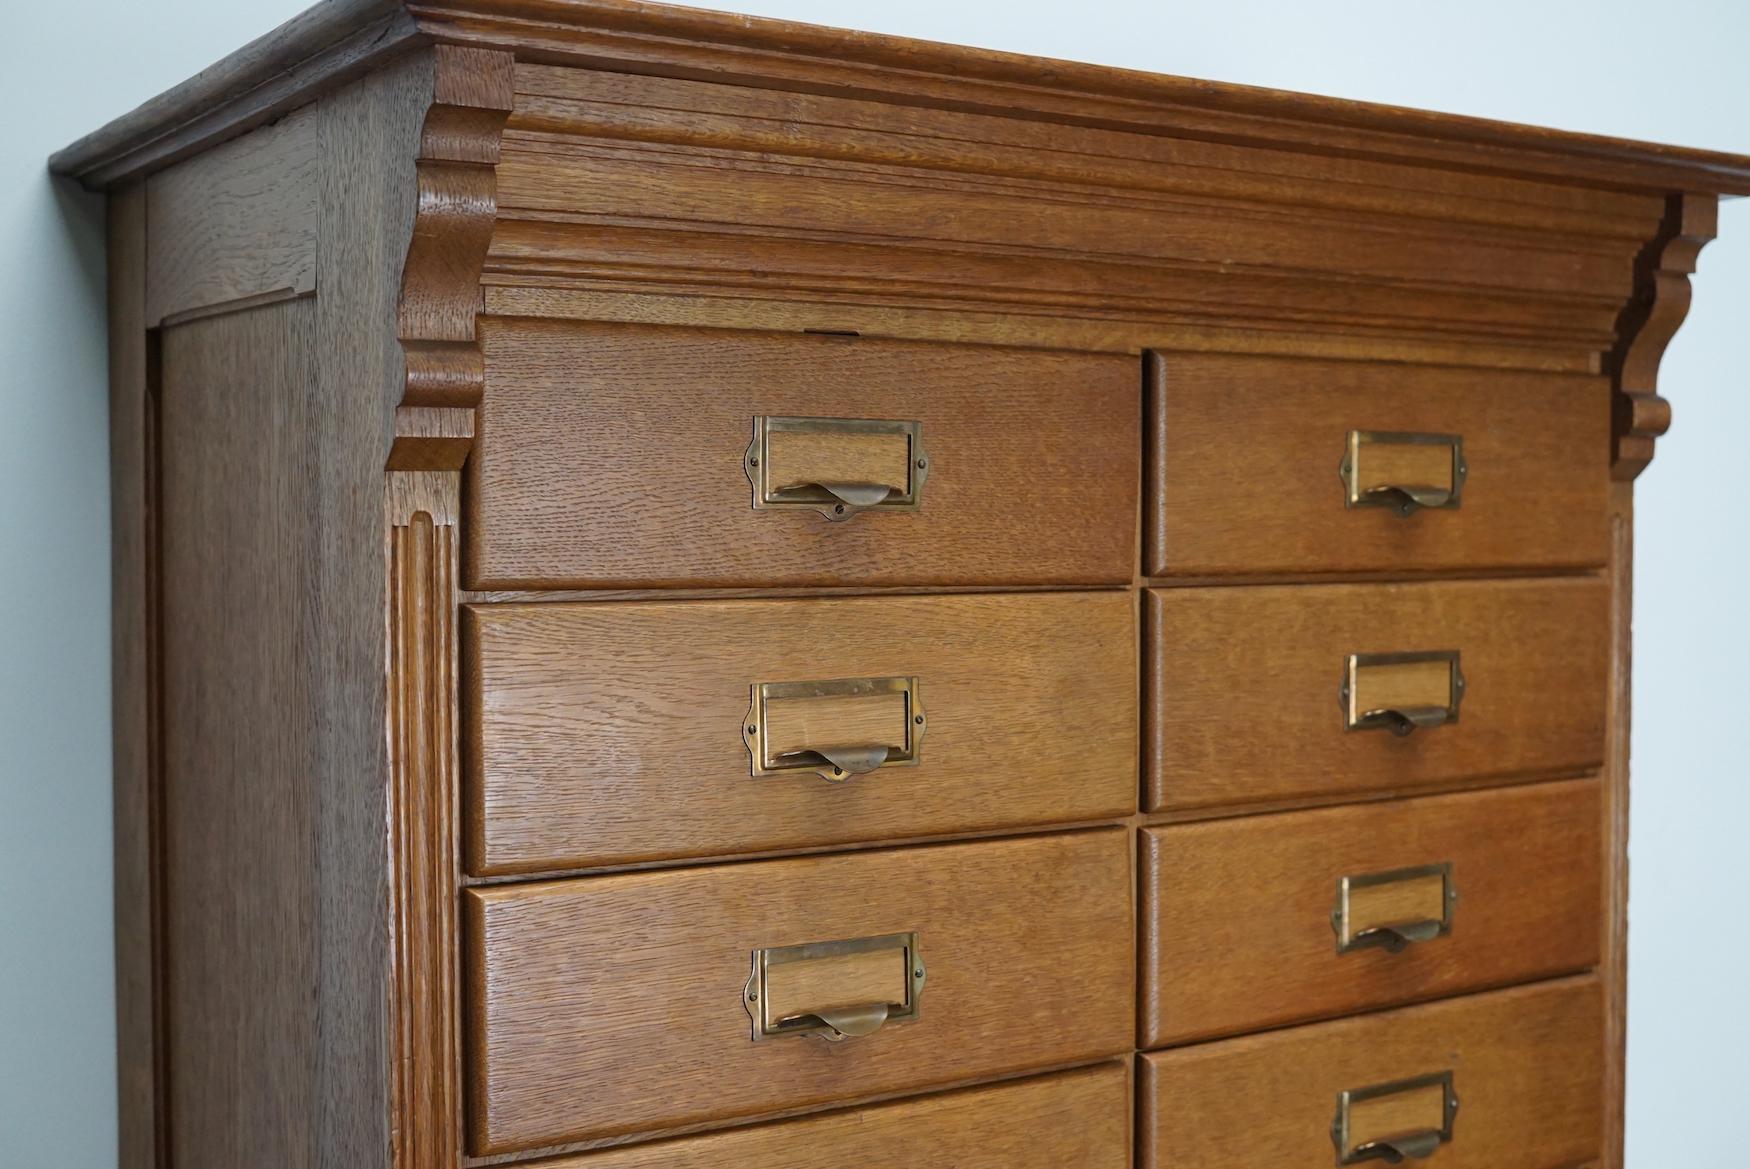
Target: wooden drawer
1247 686
618 733
1079 1119
1244 474
613 1005
1266 920
1526 1066
617 456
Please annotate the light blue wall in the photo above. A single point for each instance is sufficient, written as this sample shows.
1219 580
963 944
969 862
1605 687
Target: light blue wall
1671 71
64 68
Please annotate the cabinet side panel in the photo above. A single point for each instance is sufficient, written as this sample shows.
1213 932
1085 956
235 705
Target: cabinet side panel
267 842
242 648
235 225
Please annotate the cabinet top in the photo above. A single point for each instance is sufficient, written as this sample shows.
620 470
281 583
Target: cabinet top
338 39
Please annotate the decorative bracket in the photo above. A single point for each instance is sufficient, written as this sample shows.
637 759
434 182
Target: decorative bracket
472 92
1647 325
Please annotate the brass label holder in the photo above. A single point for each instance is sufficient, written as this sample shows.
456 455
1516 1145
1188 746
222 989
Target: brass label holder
1404 471
836 729
835 990
1401 692
1416 1117
839 467
1395 909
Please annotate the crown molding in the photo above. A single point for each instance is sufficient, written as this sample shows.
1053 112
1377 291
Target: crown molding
335 40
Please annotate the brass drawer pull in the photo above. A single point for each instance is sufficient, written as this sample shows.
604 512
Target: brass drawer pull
836 466
834 729
1401 692
1403 471
1406 1120
1394 939
1403 720
835 990
1394 910
1416 1146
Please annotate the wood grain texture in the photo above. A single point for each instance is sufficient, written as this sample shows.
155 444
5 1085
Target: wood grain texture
423 811
632 983
1648 324
242 929
612 734
749 207
1032 478
440 282
1237 932
1243 468
267 840
622 109
800 459
630 36
1614 831
1244 687
371 132
1006 235
1371 1119
135 696
803 724
798 309
236 224
836 982
1526 1067
977 210
1077 1119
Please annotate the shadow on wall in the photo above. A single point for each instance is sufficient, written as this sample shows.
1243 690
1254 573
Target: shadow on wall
57 1068
80 214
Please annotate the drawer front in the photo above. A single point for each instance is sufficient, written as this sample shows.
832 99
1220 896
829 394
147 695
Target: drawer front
1248 687
1245 472
614 1005
1525 1065
1266 920
620 733
631 456
1079 1119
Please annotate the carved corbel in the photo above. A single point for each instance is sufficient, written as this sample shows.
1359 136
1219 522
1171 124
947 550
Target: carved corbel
1647 325
440 282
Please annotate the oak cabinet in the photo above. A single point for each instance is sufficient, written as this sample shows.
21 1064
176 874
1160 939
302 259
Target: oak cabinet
698 591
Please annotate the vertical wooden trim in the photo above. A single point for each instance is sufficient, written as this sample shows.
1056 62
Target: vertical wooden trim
132 539
423 812
1614 974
